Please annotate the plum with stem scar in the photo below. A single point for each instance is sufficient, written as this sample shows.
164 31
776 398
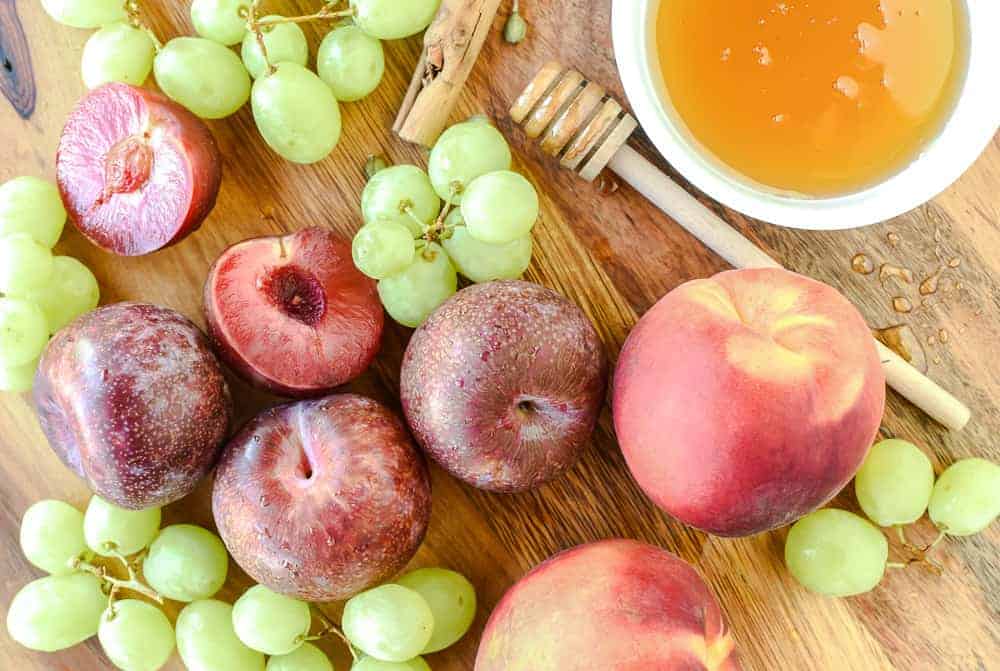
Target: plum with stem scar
321 499
503 384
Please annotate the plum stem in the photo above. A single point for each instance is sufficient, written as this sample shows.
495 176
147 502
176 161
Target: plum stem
329 627
114 584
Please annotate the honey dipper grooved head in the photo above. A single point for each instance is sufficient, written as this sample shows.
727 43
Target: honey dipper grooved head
577 121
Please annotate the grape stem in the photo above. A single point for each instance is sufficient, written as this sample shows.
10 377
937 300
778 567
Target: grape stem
254 25
934 543
329 627
134 12
132 583
438 230
328 12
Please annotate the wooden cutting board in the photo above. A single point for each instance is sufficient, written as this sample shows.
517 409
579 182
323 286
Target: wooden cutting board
615 255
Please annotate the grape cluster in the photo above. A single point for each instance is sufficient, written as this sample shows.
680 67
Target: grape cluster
838 553
296 109
78 598
415 247
39 292
425 611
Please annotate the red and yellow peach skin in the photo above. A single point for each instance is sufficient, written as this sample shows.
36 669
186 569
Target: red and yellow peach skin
745 401
615 605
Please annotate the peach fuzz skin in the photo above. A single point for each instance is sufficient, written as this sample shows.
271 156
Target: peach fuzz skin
745 401
615 605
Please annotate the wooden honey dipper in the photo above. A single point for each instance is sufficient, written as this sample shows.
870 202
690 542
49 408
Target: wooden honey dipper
587 131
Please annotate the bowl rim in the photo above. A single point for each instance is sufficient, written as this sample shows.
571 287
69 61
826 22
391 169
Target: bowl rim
966 134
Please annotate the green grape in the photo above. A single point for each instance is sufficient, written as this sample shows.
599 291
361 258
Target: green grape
25 264
272 623
206 640
412 294
392 19
110 529
372 664
483 262
452 599
966 498
306 657
381 249
186 563
71 292
117 53
23 332
391 623
296 113
17 379
33 206
351 62
52 536
85 13
464 152
222 21
203 76
390 193
894 484
136 636
56 612
836 553
500 207
285 43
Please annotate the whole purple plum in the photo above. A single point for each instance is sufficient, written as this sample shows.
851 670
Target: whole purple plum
503 384
131 397
321 499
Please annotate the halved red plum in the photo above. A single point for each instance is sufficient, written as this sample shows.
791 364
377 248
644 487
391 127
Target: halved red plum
292 314
136 171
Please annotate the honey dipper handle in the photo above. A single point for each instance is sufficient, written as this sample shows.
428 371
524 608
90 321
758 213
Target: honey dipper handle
726 241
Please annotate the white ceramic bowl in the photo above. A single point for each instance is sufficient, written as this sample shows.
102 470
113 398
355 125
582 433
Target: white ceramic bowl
967 132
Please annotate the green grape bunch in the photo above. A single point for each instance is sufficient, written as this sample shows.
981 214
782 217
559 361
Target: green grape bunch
79 598
387 628
468 214
296 108
837 553
40 292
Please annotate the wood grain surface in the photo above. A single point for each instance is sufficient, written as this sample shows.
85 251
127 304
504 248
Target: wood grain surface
615 255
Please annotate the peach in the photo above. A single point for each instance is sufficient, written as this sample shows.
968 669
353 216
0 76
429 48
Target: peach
616 605
745 401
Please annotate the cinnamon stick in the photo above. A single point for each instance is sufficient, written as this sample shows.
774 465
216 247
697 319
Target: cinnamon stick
451 46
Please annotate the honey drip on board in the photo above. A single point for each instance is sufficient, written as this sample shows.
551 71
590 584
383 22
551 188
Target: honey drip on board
902 304
862 264
888 270
901 340
930 285
814 97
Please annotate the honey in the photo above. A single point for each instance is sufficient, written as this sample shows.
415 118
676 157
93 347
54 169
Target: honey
818 97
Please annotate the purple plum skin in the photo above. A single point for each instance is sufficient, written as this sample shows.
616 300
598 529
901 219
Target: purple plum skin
321 499
132 399
503 385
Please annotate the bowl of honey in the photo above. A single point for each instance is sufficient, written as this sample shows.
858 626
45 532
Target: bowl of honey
822 114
